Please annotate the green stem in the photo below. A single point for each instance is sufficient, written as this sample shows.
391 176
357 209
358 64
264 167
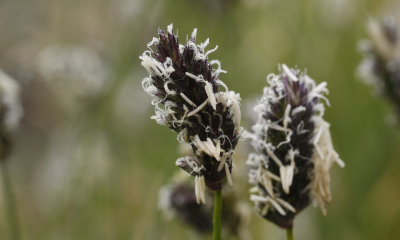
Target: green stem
11 204
217 215
289 234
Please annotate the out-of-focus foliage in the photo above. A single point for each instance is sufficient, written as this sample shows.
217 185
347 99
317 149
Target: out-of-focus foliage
88 162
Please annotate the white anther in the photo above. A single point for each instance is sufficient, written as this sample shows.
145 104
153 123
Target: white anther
197 189
286 205
253 189
202 189
277 206
289 73
268 185
228 174
274 157
210 94
187 100
222 162
198 108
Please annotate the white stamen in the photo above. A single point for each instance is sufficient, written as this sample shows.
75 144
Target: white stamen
272 176
228 174
198 108
286 205
210 94
289 73
253 189
197 189
268 185
277 206
316 141
187 100
202 189
222 162
256 198
153 67
274 157
218 147
282 172
265 209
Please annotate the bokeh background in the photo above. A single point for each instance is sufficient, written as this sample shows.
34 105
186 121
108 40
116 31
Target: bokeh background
88 162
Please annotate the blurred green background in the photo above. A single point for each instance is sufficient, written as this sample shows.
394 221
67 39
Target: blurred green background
88 162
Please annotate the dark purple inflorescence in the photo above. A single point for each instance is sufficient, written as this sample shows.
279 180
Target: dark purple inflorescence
10 112
381 64
294 148
178 200
184 86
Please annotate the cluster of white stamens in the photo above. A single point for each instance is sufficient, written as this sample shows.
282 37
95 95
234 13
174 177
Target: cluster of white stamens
215 151
200 189
323 160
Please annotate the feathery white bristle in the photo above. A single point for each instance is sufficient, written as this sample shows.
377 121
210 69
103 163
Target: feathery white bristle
298 109
167 90
170 28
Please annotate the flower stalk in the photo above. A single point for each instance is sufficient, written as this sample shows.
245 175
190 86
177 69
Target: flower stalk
11 204
289 234
217 226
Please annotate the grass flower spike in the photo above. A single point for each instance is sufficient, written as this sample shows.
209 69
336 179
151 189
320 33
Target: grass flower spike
10 112
381 64
294 148
184 86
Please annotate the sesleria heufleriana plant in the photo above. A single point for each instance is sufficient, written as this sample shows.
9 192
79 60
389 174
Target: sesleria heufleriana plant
294 148
184 87
10 115
381 64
